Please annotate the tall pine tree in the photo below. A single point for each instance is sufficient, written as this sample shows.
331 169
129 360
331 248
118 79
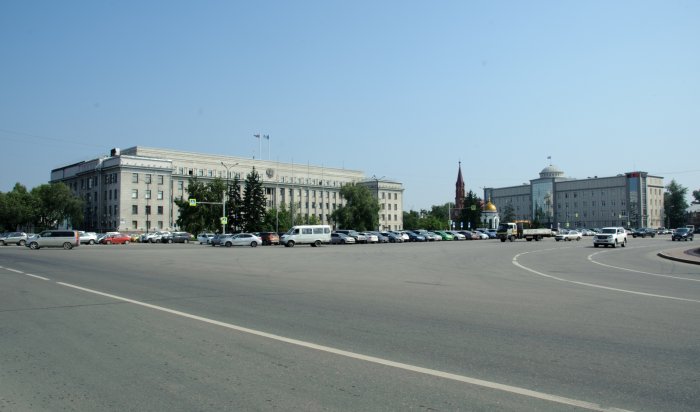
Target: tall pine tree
253 203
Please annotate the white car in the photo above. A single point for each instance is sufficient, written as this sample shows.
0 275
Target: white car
204 238
89 238
568 235
154 237
482 235
456 235
243 239
371 237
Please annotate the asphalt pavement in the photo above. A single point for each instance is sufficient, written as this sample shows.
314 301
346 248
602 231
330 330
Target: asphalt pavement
472 325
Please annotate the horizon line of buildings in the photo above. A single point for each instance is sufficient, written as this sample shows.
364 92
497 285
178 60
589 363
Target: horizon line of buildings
134 189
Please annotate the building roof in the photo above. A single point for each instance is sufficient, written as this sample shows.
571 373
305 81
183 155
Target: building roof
551 171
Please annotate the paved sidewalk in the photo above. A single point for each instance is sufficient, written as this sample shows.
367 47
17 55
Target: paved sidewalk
682 254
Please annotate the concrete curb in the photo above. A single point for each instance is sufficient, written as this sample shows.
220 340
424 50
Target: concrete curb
691 256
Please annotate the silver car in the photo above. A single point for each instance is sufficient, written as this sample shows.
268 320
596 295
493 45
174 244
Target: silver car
67 239
13 238
242 239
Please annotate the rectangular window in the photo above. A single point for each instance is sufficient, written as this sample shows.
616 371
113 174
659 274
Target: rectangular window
160 179
160 224
134 193
148 194
148 210
160 210
160 195
134 178
134 209
147 179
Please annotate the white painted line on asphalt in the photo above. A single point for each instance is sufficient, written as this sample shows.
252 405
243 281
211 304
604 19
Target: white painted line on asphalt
590 258
432 372
37 276
22 273
593 285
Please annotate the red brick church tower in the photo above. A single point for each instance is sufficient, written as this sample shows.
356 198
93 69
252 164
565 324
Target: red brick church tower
459 195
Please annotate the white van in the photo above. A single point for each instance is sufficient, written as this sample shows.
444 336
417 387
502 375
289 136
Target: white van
314 235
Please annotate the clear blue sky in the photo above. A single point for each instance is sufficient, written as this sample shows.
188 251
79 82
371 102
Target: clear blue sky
397 89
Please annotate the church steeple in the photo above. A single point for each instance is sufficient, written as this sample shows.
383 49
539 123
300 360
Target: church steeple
459 192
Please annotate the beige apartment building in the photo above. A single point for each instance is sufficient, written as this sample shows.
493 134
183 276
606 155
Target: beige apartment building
134 190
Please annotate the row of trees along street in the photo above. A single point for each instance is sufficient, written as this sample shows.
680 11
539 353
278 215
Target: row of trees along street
49 206
44 207
246 211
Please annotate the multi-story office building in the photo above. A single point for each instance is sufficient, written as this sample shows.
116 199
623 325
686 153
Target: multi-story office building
134 190
633 199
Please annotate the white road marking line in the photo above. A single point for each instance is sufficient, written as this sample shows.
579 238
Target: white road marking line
432 372
590 258
593 285
37 276
22 273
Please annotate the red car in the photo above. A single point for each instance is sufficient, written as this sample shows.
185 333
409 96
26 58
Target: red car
117 239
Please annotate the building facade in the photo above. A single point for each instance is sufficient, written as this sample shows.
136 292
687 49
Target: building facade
634 199
134 190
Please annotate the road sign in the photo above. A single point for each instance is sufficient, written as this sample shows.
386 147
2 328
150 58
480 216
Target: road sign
193 202
224 220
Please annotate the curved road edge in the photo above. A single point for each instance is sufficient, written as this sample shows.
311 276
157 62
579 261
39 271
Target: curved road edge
684 255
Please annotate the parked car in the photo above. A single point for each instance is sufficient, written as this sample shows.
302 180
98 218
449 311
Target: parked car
444 235
415 236
480 235
682 233
204 238
341 239
643 232
67 239
242 239
371 237
359 238
116 239
88 238
154 237
218 238
456 235
13 238
431 236
176 237
269 238
393 237
568 235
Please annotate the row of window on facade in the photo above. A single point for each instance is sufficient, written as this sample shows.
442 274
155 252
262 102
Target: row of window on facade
148 225
147 178
222 174
148 210
147 194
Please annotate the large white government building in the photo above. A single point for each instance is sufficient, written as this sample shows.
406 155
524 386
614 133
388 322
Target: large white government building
633 199
134 190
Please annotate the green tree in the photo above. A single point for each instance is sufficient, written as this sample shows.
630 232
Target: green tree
411 220
675 204
471 213
234 205
361 210
206 215
253 203
55 204
696 196
508 213
16 208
